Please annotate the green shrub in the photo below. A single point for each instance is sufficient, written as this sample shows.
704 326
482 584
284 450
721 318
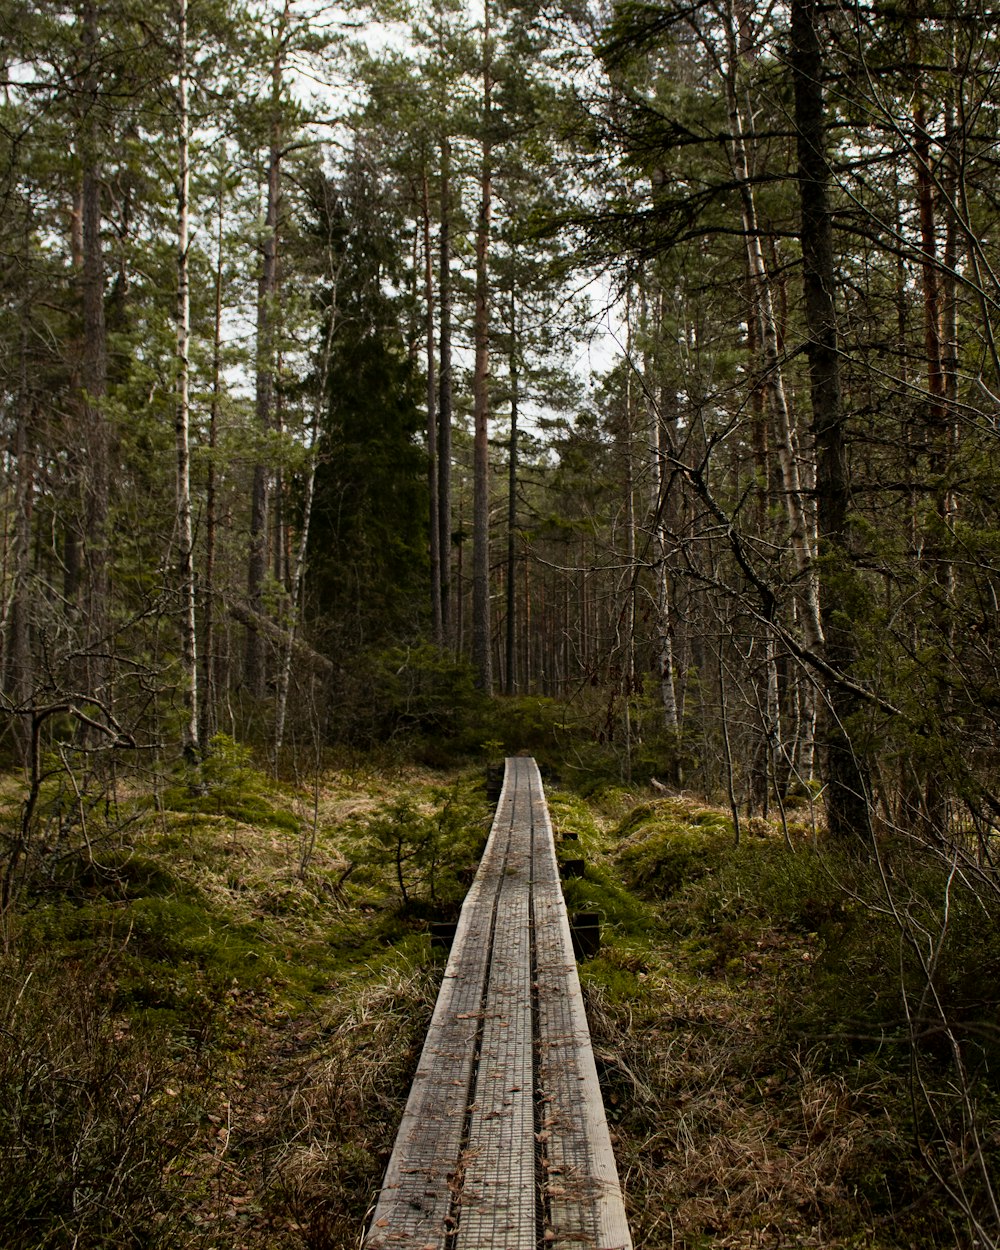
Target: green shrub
669 842
427 853
915 953
764 882
419 691
229 784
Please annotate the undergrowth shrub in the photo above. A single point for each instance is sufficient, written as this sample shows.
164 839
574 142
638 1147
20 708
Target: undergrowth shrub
430 850
218 1047
326 1144
417 690
916 954
68 818
92 1116
547 729
883 967
228 783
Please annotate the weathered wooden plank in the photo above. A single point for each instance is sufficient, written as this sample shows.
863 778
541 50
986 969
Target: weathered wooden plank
424 1172
582 1200
498 1204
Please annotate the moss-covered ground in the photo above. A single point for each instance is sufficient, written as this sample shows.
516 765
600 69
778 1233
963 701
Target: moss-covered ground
211 1017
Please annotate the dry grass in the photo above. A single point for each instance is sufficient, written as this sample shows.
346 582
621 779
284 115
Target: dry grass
735 1126
334 1129
298 1141
720 1140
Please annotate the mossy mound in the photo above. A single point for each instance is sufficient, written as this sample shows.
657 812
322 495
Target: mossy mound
666 843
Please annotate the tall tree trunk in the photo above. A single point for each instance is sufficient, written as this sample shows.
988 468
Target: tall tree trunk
952 254
767 329
445 399
846 774
460 573
626 437
298 574
255 669
948 506
940 350
19 672
94 374
482 651
72 542
185 529
528 672
437 618
280 536
624 626
929 264
658 441
511 674
209 673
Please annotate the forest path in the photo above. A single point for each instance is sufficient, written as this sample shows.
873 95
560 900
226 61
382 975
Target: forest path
504 1140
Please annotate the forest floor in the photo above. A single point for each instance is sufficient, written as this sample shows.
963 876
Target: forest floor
211 1018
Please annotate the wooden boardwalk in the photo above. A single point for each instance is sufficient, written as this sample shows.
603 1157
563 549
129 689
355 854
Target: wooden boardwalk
504 1142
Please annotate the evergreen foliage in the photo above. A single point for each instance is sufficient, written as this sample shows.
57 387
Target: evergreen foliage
368 562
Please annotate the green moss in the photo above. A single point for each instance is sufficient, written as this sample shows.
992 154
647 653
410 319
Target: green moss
571 814
663 848
227 783
738 965
619 974
623 915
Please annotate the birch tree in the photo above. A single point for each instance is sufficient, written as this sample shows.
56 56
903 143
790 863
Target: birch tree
185 529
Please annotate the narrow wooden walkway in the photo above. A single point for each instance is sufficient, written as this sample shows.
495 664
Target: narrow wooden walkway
504 1142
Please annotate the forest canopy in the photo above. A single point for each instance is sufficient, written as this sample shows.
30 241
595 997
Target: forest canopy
642 355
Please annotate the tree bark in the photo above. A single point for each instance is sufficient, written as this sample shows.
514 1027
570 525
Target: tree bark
482 652
941 364
185 529
657 440
298 575
929 264
72 541
93 375
445 399
209 674
19 677
767 329
437 620
278 637
846 774
510 687
255 669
